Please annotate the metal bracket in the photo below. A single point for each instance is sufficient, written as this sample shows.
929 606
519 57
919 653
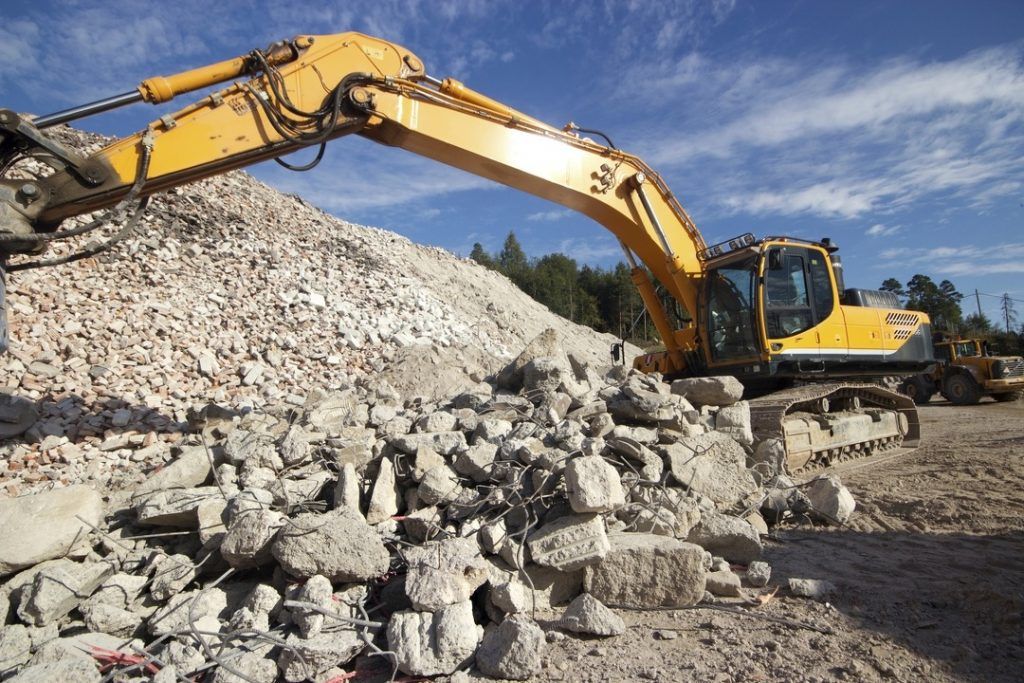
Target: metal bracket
23 132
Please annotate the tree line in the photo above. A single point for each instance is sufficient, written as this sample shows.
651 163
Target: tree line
604 299
607 300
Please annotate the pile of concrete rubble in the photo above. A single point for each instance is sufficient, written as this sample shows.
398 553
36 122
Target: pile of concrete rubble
367 533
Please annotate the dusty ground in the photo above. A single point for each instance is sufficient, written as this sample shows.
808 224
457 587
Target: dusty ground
930 575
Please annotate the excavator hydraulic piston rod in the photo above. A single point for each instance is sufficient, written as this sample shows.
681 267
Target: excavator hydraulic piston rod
83 110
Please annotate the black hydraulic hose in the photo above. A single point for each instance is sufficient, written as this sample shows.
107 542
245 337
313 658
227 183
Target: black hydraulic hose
593 131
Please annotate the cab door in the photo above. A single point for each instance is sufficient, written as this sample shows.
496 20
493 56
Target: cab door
797 296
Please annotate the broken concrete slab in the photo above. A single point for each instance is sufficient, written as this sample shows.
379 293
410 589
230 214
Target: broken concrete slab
713 391
569 542
197 606
645 570
732 538
723 583
830 500
347 489
306 659
816 589
593 485
734 420
47 525
444 573
60 588
444 443
249 539
513 650
434 643
174 508
713 465
317 591
586 614
191 468
338 544
385 497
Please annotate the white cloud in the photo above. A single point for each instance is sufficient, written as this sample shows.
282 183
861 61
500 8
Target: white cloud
881 230
601 248
553 215
839 139
966 260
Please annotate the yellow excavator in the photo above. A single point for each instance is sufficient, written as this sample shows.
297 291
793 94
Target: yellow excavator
773 312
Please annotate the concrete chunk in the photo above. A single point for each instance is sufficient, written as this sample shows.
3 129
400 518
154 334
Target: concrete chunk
191 468
593 485
644 570
569 542
713 465
47 525
385 495
732 538
339 544
830 500
444 573
434 643
174 507
513 650
587 614
60 588
249 538
714 391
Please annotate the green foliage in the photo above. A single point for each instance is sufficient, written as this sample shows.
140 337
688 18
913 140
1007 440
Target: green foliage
940 301
605 300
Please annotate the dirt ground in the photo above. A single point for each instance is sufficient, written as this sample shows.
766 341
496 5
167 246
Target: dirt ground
930 577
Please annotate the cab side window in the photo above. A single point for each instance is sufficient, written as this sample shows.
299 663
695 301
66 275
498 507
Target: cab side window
821 285
787 299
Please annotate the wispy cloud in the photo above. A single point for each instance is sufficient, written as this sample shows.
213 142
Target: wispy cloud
881 230
602 248
553 215
844 140
969 259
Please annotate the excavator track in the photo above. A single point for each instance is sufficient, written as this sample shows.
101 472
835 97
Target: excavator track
822 424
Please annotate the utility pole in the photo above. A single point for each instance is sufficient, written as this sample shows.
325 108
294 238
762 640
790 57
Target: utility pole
977 298
1007 310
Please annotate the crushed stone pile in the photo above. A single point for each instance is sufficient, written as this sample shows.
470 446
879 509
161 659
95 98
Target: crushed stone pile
370 533
235 293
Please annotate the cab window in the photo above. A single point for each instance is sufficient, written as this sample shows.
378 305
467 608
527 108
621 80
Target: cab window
787 301
730 300
797 290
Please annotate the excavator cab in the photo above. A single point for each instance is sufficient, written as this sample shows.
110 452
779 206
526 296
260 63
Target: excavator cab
772 311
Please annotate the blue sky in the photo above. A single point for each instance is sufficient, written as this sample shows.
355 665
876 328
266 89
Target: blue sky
894 127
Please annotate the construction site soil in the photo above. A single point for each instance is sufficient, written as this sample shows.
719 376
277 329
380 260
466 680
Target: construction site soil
930 577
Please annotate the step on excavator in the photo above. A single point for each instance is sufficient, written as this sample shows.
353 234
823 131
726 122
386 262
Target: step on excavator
773 312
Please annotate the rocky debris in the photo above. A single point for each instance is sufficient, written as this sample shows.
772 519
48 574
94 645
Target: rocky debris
434 643
570 542
712 465
58 589
586 614
816 589
444 573
46 525
512 650
723 583
758 573
336 506
709 391
593 485
831 501
645 570
730 537
338 544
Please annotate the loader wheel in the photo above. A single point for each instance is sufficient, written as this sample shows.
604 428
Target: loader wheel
918 389
962 390
1009 396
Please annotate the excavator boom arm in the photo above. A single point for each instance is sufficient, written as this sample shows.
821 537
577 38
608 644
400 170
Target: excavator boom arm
312 89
